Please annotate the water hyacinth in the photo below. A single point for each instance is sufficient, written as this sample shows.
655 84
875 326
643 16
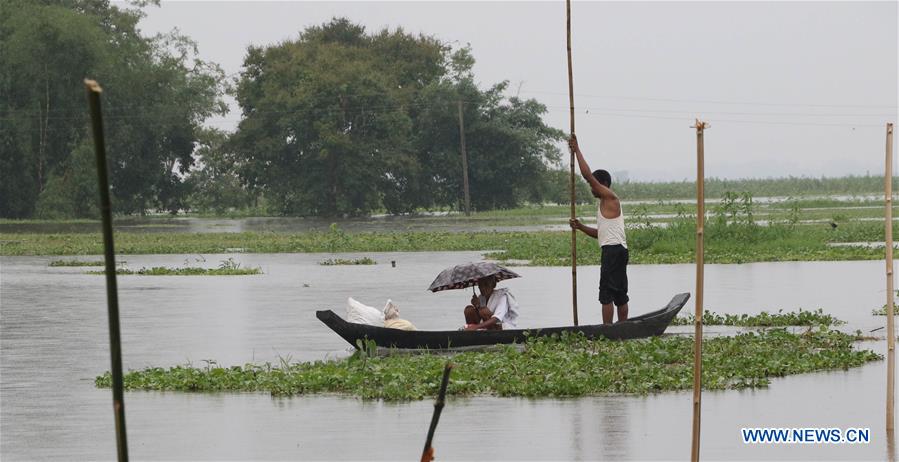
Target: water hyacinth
561 366
763 319
345 261
56 263
673 244
228 267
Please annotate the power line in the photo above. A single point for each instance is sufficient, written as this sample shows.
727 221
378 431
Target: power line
700 101
736 121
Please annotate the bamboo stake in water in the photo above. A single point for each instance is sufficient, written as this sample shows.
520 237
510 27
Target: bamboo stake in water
428 454
571 164
115 340
891 334
697 336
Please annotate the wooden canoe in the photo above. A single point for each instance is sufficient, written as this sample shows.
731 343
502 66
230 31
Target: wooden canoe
646 325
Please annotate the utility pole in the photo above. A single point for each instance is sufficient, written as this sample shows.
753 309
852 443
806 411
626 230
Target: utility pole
464 161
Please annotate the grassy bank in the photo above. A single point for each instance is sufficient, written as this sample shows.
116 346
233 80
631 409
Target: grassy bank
725 243
569 366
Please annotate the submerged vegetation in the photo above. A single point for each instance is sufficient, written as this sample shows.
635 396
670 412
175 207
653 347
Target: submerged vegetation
726 243
344 261
561 366
763 319
738 230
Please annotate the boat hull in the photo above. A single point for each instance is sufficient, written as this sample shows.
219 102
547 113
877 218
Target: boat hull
646 325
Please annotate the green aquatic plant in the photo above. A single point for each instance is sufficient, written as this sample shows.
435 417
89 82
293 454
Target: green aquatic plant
77 263
764 319
344 261
568 365
882 311
726 243
225 270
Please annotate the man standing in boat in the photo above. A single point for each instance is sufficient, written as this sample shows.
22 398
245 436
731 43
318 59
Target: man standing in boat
609 232
494 309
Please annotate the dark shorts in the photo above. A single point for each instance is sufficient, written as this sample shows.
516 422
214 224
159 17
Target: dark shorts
613 275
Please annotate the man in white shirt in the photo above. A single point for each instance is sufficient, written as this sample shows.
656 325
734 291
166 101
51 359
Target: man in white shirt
609 232
494 309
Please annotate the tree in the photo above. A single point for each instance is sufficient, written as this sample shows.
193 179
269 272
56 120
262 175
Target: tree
509 146
71 190
342 122
326 126
214 184
156 95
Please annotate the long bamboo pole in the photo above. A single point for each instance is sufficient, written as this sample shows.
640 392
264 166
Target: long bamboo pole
571 163
427 455
700 237
115 339
891 333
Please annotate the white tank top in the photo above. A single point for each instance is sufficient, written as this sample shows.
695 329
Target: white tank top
610 231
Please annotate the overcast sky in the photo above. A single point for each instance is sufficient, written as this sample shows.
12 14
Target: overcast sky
800 89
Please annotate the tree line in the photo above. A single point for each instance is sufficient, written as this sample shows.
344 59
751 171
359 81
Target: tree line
338 121
158 95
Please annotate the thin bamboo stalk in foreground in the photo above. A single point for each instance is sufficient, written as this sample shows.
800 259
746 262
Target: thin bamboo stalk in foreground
427 454
115 340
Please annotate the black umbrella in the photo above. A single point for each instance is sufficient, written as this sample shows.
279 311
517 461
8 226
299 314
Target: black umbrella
467 275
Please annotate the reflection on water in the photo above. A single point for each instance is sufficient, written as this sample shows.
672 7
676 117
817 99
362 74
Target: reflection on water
54 342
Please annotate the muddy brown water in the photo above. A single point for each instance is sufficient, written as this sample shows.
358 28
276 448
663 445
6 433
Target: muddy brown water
53 331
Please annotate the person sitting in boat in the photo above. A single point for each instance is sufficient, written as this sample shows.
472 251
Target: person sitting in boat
494 309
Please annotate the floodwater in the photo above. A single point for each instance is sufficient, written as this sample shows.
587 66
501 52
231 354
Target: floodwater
422 222
54 338
266 224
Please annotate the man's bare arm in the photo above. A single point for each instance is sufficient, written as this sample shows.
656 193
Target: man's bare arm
597 187
576 224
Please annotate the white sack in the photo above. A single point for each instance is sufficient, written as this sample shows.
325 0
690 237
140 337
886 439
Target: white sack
359 313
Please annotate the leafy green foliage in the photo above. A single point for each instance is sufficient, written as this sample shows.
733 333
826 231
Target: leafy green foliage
344 261
215 186
77 263
341 122
71 190
673 244
228 267
760 187
882 311
566 366
156 95
763 319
